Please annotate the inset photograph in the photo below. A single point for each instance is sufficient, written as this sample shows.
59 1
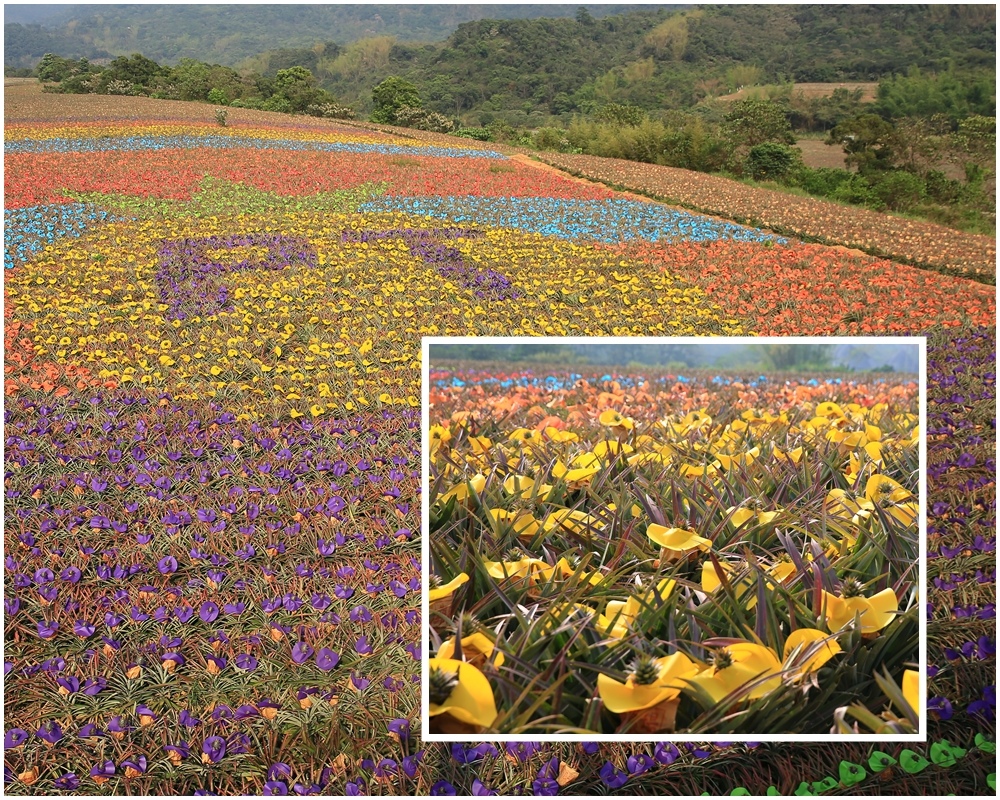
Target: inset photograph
640 539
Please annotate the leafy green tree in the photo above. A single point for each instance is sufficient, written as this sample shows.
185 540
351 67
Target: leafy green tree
669 38
899 190
857 190
561 103
292 78
277 102
921 142
550 139
753 122
390 96
287 57
791 357
53 68
870 142
422 119
741 76
608 86
191 79
954 93
82 78
771 161
975 142
821 181
619 114
823 113
297 86
195 80
136 70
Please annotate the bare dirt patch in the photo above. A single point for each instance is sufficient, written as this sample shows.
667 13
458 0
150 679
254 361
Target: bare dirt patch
868 89
817 154
26 103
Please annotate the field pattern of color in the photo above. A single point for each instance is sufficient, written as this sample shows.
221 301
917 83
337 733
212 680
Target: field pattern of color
212 452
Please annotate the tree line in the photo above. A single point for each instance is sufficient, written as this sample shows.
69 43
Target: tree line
229 34
292 90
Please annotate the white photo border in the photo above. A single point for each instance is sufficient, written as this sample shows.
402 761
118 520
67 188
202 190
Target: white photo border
425 558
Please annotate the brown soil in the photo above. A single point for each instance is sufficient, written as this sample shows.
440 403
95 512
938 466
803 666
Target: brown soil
816 154
868 90
25 102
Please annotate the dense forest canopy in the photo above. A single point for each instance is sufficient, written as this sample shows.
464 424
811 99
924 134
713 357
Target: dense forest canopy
654 59
650 56
228 34
519 69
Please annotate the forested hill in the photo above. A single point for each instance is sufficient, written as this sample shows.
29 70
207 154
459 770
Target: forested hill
527 71
228 34
655 60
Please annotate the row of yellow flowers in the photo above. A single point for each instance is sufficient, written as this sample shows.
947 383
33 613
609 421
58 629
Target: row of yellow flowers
551 492
293 333
101 130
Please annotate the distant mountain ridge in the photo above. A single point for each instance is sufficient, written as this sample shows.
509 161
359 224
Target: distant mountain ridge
524 71
228 34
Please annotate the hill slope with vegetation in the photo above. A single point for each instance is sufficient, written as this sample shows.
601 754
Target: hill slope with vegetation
653 59
227 34
655 85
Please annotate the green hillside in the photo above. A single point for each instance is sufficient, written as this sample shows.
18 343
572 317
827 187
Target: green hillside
523 71
654 60
227 34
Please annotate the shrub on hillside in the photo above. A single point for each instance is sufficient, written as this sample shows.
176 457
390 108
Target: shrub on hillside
391 96
550 139
120 87
479 134
821 181
423 120
771 161
942 188
254 103
330 111
899 190
618 114
277 102
858 191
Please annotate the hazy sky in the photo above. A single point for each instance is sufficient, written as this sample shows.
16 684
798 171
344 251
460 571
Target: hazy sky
858 355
